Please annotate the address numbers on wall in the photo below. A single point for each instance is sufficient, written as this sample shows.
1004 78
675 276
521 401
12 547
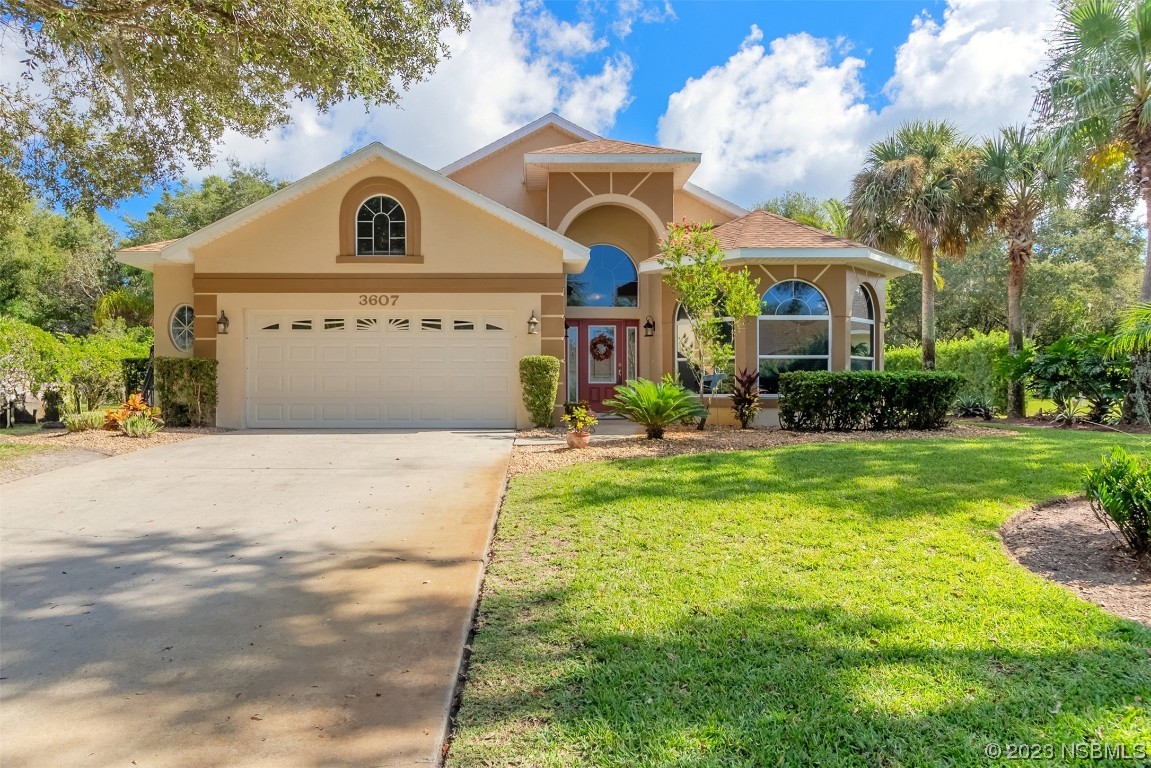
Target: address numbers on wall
379 299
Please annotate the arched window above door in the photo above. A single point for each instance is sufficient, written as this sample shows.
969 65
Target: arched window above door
609 280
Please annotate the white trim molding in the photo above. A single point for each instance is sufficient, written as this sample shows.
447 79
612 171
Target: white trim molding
623 201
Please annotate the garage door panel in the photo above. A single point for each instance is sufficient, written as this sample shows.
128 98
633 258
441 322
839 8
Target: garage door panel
333 370
334 353
301 384
302 353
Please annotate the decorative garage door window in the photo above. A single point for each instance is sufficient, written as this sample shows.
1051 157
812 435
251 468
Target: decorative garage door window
609 280
862 331
381 227
794 332
181 329
388 324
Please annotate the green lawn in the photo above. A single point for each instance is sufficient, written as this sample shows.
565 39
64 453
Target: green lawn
832 604
10 452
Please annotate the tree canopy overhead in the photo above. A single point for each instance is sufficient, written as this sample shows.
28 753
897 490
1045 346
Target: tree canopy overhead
116 95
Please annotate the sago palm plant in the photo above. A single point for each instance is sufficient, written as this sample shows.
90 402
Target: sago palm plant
655 405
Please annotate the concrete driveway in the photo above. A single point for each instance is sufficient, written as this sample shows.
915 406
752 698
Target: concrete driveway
249 599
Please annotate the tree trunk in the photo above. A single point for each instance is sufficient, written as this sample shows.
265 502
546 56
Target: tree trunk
1018 253
1141 141
1145 294
927 308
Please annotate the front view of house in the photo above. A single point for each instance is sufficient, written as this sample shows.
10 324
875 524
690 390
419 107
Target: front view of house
380 293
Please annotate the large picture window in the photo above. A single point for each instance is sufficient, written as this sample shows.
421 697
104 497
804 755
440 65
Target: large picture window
381 227
716 383
794 332
862 331
609 280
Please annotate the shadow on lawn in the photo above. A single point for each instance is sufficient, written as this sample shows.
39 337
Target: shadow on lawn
774 674
935 477
210 649
761 684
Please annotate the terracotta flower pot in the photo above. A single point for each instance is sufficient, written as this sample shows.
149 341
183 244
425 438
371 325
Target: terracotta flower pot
578 439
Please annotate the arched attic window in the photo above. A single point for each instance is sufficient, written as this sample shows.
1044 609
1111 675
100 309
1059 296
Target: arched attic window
381 227
379 220
794 328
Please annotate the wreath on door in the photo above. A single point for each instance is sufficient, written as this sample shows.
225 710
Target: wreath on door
602 346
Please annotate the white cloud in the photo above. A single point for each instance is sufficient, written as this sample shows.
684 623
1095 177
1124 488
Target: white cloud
976 66
643 11
768 119
795 115
514 64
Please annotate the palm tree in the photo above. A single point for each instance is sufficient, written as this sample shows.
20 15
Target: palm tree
125 304
920 191
1026 178
1098 96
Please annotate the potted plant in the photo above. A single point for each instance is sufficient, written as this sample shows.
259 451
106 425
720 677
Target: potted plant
580 422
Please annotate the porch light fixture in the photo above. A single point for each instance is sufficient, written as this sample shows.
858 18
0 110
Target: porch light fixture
222 323
533 323
649 327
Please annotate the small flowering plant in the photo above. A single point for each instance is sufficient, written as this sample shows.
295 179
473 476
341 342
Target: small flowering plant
580 419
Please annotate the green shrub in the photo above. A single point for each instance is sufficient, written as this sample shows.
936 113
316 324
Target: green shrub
848 400
140 425
540 379
135 372
654 406
29 360
972 407
186 390
84 421
1079 367
92 368
1120 494
745 397
975 358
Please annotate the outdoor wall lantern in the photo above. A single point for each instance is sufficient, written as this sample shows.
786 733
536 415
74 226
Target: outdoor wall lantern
533 323
222 324
649 327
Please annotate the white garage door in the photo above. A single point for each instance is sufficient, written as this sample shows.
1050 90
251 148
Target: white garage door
341 369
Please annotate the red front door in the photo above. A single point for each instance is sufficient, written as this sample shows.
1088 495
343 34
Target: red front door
605 354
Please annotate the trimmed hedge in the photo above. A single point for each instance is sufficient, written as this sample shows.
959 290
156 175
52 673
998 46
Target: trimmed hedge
540 378
186 391
975 358
824 401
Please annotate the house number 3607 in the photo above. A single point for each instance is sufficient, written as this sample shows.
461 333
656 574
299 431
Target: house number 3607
379 299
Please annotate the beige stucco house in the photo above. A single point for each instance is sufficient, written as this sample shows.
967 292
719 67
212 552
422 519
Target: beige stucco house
380 293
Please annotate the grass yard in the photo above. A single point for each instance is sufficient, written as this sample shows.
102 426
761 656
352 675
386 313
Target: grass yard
10 452
844 604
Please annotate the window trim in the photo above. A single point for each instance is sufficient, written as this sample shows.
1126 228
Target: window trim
828 318
869 321
404 212
190 327
360 193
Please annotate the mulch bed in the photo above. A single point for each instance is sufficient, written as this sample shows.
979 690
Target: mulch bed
1065 543
540 458
108 442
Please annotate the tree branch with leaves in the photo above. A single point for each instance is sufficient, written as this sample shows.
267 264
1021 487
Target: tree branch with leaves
711 296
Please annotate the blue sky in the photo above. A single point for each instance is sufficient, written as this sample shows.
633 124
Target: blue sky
776 95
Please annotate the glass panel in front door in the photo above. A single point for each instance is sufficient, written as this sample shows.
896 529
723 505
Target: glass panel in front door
632 356
601 354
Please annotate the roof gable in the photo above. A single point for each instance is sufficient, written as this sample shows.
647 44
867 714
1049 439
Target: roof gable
610 147
180 251
551 120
